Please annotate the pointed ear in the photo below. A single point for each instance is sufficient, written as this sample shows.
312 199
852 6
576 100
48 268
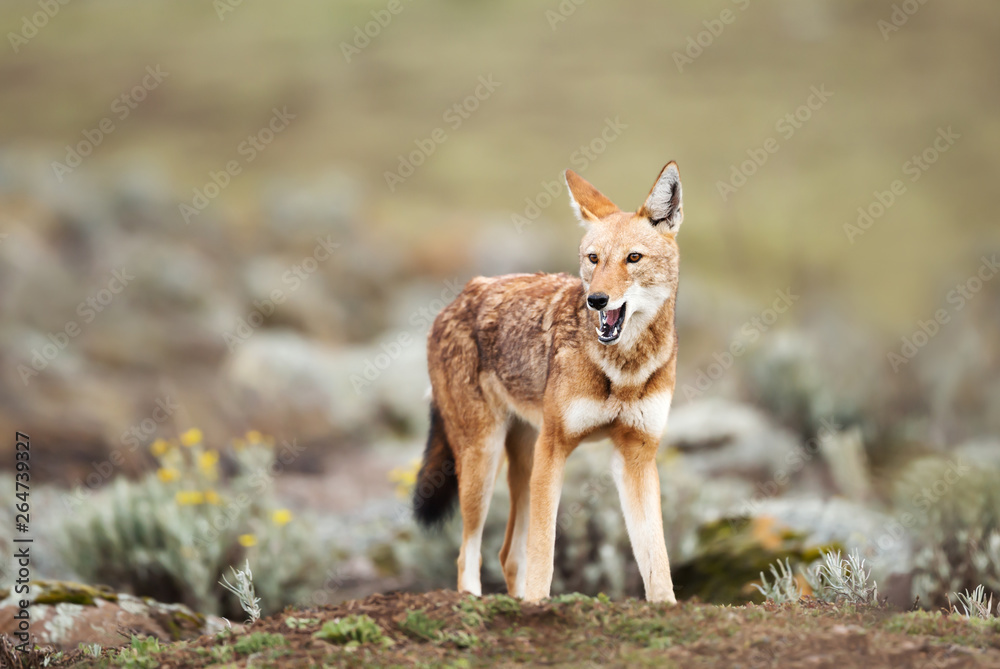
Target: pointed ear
588 203
664 205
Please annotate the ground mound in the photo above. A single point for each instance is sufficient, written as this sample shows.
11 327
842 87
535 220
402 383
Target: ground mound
448 629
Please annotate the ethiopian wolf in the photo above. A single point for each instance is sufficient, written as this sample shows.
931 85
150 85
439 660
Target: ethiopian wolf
530 365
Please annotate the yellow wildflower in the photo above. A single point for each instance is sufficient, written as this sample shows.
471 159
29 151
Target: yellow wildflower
212 497
159 448
405 478
254 437
207 461
247 540
167 474
281 517
189 497
192 437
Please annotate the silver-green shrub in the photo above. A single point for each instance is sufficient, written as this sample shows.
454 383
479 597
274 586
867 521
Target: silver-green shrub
953 512
173 534
782 587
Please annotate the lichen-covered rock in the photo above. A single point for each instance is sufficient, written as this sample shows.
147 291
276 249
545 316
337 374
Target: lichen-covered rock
64 615
732 552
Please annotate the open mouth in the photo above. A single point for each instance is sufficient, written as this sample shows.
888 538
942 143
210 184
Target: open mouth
611 321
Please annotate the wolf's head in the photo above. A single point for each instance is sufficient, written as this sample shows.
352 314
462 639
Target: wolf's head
628 260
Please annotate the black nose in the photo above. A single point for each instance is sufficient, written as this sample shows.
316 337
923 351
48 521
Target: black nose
598 301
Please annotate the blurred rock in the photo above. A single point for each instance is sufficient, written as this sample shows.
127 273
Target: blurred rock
983 452
291 384
721 437
299 212
40 290
786 379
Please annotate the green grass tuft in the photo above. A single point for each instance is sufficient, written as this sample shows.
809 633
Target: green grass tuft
140 654
419 625
353 630
258 641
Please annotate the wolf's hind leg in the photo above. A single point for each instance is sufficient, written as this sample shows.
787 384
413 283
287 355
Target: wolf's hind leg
477 472
514 554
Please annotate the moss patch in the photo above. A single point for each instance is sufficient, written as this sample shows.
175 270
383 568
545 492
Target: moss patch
64 592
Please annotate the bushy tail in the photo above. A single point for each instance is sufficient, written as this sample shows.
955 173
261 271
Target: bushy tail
437 483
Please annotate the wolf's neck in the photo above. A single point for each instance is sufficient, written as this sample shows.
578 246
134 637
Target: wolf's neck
632 361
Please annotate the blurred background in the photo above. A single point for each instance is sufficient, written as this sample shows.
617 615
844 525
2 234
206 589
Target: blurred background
225 229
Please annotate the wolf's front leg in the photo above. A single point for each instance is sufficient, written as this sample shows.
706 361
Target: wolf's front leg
546 485
633 466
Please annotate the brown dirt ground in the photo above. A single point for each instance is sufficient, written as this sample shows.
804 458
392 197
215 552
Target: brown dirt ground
576 630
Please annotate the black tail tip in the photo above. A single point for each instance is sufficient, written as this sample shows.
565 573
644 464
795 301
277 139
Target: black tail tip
433 506
436 491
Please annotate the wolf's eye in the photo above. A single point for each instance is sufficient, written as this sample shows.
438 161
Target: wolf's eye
592 258
634 257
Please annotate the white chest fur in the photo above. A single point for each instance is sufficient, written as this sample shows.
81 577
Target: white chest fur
647 414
